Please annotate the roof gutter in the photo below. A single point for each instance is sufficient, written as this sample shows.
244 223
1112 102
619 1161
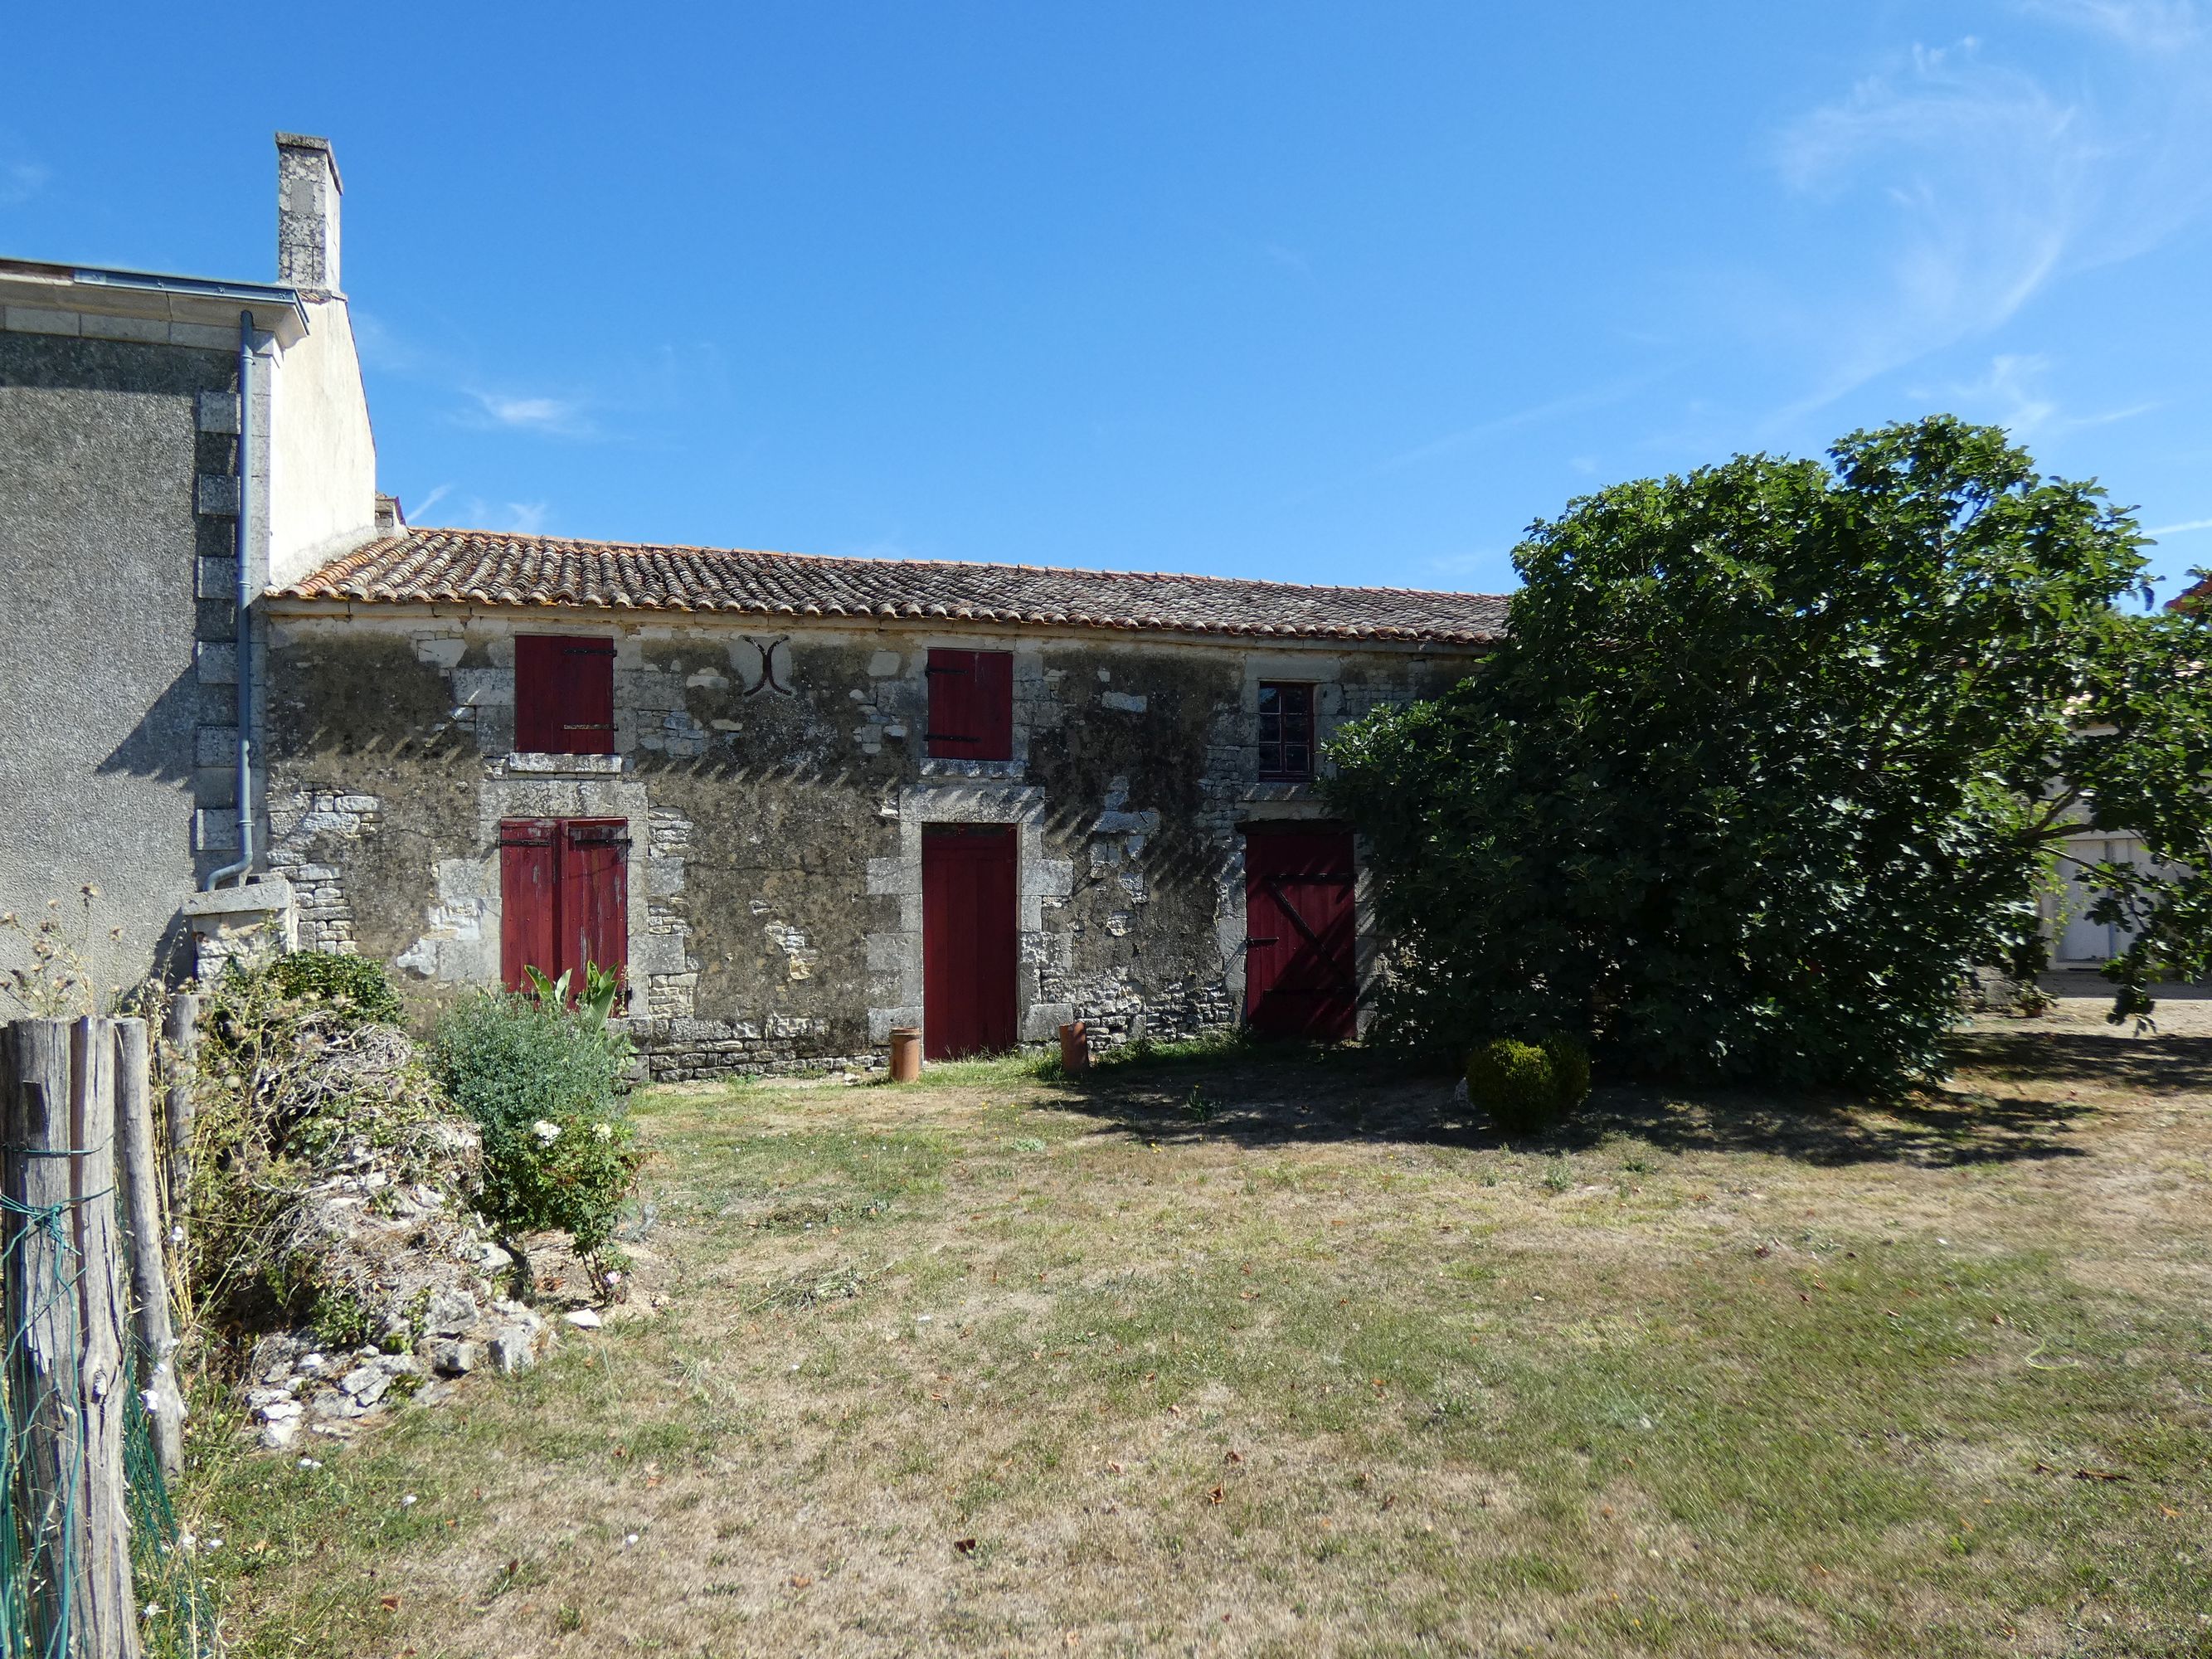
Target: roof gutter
154 282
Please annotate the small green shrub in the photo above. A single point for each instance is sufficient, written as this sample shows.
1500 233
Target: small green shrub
1571 1069
342 1320
540 1083
1515 1083
355 986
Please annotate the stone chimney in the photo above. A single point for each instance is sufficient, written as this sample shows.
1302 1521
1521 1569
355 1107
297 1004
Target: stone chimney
307 192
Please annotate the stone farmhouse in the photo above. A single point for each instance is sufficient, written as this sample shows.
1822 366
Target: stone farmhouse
797 801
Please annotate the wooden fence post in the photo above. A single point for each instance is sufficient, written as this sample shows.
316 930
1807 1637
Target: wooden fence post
138 1184
184 1035
63 1296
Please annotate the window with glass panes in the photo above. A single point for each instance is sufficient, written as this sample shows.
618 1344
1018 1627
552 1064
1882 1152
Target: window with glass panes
1286 730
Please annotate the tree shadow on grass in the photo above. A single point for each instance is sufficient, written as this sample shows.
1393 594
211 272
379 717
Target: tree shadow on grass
1258 1096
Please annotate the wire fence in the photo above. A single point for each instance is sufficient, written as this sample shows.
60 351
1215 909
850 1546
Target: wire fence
92 1563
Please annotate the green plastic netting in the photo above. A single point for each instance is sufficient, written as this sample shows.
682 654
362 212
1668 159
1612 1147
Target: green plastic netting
42 1427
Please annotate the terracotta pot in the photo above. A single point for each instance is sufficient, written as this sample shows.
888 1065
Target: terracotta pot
1074 1051
906 1053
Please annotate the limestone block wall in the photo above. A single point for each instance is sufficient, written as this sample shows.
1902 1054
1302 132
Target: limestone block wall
777 789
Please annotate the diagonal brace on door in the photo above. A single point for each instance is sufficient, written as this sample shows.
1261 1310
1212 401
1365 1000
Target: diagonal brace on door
1275 884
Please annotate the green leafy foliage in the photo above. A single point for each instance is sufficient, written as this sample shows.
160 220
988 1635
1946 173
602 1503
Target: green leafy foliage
1520 1086
541 1084
1571 1069
356 988
593 1003
1778 752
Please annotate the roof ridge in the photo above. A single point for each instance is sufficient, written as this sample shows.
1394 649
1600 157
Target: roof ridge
520 538
427 564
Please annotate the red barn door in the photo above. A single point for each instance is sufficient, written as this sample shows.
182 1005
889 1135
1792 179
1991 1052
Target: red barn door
967 939
1301 970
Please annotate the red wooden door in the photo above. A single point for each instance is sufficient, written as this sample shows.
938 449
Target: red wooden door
594 895
565 897
967 939
1301 971
528 906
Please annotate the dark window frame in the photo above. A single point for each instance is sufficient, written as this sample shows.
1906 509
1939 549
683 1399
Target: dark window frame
1287 733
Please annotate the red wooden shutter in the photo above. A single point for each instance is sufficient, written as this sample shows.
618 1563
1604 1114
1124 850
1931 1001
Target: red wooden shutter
564 695
537 713
529 901
991 712
594 895
952 702
587 700
971 705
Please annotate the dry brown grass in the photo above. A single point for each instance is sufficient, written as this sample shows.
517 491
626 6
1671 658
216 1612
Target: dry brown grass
1317 1365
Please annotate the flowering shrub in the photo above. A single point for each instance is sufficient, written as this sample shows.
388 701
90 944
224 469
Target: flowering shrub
541 1084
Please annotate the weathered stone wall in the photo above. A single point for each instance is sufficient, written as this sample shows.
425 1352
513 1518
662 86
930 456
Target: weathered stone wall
776 787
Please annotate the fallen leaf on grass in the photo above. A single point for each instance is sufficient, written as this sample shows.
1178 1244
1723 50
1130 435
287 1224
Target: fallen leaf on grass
1112 1468
963 1546
1234 1457
389 1603
2099 1474
1216 1496
799 1581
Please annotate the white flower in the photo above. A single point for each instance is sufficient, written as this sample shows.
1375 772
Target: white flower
604 1131
547 1133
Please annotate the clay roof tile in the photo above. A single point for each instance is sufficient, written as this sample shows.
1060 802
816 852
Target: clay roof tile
498 568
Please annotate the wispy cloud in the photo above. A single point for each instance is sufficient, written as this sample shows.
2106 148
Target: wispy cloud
1552 409
2139 24
1985 179
2180 529
430 500
20 181
1983 184
558 416
526 518
2015 395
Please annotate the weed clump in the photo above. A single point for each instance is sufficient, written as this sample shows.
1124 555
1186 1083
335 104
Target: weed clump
289 1090
355 988
1528 1087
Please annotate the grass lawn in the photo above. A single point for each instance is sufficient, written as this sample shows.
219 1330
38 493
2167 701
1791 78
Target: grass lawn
1286 1355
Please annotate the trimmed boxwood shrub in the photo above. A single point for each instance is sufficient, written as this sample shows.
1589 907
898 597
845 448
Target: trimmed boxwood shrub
1525 1086
1571 1069
355 986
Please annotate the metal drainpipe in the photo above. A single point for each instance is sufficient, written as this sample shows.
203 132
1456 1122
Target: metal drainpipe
242 631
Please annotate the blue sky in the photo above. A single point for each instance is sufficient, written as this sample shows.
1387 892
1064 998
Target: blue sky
1326 293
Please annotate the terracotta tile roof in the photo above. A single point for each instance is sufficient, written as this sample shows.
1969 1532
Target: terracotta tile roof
494 568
